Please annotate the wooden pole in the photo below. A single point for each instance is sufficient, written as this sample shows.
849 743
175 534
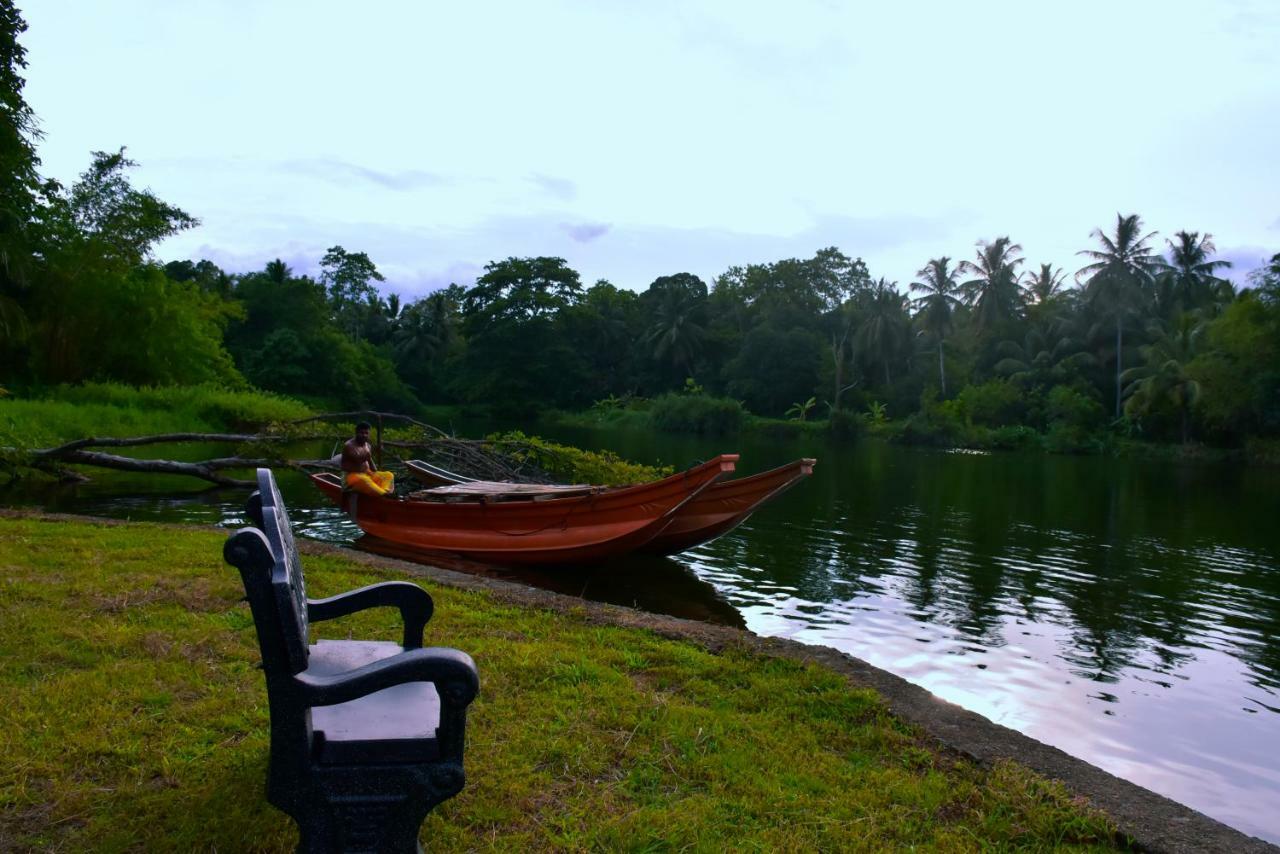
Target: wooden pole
378 450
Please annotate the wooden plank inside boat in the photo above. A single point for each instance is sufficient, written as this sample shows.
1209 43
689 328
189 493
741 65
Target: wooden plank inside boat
490 490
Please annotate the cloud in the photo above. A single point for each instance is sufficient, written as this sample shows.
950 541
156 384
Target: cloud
341 171
561 188
419 259
1244 260
585 232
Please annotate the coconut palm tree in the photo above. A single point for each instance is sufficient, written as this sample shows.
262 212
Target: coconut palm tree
1191 280
1044 286
939 296
1047 356
1119 277
676 333
278 271
993 291
425 330
884 326
1164 378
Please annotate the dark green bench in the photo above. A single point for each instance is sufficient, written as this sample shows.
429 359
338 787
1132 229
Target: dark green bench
366 736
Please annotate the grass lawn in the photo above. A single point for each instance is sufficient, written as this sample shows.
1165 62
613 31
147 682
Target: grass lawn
133 718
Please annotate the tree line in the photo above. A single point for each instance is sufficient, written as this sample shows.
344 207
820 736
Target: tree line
1146 334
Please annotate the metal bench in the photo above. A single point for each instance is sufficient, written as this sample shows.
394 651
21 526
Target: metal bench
366 736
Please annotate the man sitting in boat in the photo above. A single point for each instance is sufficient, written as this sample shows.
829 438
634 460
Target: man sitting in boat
357 461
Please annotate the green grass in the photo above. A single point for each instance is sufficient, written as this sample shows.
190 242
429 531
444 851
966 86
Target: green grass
109 409
134 719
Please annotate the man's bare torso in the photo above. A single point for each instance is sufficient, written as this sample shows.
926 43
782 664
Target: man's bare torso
356 456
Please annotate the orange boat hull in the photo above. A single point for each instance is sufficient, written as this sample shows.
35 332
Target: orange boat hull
579 529
723 506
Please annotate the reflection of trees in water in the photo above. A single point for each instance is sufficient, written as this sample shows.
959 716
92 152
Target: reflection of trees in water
1114 551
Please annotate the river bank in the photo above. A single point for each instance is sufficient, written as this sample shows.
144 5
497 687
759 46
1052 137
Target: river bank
586 734
597 726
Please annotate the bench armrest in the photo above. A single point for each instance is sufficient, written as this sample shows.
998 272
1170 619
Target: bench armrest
414 603
451 671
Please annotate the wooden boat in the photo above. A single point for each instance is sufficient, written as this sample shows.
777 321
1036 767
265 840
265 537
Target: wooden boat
723 506
573 529
718 509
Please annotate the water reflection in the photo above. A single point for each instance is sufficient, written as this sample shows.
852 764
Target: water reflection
658 585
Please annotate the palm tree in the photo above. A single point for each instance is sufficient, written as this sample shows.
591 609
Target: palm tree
884 326
993 291
676 333
425 330
939 288
1191 279
278 271
1045 357
1120 274
1164 378
1044 286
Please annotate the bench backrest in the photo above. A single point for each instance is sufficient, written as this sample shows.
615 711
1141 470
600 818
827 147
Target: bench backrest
288 585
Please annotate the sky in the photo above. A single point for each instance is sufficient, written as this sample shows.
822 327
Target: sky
637 140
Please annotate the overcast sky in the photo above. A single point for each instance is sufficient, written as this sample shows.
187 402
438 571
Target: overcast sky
642 139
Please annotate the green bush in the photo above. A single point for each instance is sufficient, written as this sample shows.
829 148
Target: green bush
844 424
993 404
690 413
779 430
1012 436
1071 408
574 465
1074 421
1265 451
932 426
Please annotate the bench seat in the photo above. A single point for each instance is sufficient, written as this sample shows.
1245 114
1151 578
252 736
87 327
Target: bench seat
396 724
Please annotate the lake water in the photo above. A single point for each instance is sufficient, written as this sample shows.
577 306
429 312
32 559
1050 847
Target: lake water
1124 611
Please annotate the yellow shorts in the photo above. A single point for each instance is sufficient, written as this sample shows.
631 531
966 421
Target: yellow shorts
372 482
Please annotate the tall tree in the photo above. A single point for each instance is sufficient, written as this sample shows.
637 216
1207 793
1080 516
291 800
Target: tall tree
515 357
939 295
884 325
1044 286
1191 280
19 182
678 328
1119 278
1164 379
993 291
349 278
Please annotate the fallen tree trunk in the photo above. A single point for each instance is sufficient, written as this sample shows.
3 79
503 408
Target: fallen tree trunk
205 470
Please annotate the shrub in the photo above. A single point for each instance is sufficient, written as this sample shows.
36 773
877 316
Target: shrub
1071 408
934 426
689 413
1265 451
1013 436
575 465
993 404
777 429
844 424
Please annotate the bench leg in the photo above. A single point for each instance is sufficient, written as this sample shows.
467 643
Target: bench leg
374 809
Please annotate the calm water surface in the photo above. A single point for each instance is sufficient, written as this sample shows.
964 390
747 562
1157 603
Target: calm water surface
1126 612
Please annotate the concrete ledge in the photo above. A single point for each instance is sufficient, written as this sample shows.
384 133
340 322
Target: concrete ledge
1153 822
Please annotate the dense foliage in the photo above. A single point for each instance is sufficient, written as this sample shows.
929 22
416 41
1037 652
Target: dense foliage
1151 341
